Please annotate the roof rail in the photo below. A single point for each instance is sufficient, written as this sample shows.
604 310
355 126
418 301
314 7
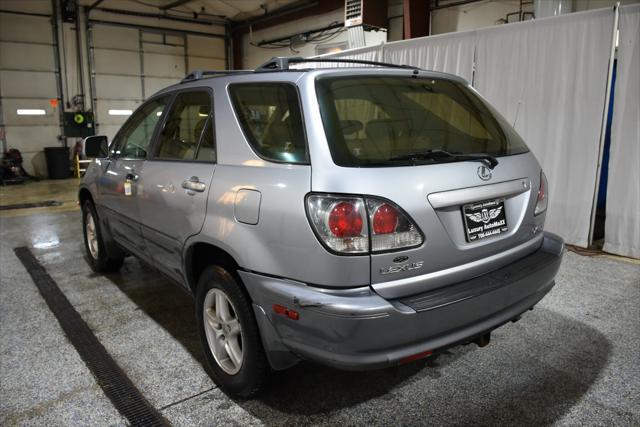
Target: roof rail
200 74
281 63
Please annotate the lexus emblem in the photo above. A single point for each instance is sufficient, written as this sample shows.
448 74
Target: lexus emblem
484 173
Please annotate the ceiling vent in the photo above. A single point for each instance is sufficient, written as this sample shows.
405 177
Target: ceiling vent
352 13
367 13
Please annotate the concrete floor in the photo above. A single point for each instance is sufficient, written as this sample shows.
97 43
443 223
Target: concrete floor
573 360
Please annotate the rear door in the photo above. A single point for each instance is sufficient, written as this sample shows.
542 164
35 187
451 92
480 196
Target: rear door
119 185
176 179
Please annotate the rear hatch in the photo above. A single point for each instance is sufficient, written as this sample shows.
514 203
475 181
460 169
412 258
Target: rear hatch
428 146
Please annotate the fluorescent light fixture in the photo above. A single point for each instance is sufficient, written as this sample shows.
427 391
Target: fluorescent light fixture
120 112
159 113
203 115
31 112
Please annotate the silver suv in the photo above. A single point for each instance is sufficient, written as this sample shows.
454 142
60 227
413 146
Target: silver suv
358 217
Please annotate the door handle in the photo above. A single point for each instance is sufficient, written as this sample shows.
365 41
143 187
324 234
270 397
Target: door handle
132 176
194 184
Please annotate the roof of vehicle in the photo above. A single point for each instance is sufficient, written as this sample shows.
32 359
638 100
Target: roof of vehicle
283 65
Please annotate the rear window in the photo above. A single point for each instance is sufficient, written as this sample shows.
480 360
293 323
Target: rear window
271 119
371 120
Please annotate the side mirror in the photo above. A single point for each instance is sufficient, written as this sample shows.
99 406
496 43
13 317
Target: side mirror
96 147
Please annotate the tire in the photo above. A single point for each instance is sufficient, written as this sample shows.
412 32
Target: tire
96 253
229 334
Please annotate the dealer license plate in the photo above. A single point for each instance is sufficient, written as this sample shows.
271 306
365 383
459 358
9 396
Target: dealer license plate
484 219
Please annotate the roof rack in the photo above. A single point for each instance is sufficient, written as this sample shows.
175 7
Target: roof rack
281 63
200 74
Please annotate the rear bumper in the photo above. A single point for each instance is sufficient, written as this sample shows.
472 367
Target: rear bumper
358 329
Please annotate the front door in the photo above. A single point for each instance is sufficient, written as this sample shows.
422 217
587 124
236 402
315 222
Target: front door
176 180
119 184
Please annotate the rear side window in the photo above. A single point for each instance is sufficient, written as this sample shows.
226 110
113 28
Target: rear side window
378 120
185 126
271 119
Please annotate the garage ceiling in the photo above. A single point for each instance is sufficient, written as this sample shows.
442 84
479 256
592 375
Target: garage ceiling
236 10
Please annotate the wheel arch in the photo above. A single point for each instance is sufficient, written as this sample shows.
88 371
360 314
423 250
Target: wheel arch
83 195
201 254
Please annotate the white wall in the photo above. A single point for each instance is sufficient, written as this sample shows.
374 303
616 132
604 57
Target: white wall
473 15
30 134
252 56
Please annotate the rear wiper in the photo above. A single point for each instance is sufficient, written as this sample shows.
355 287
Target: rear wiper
490 160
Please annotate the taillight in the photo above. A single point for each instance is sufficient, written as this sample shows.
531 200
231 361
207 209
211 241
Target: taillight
385 219
340 222
543 196
391 228
347 224
345 220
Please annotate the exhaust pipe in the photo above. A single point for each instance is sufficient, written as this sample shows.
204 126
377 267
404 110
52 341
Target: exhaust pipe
483 340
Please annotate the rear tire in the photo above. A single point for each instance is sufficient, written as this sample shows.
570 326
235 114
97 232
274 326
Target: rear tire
99 260
229 334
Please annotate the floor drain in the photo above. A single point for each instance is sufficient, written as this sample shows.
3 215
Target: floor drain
44 204
115 384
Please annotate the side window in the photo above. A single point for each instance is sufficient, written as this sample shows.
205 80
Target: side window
184 126
271 119
136 135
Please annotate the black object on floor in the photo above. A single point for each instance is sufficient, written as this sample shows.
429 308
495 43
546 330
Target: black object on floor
58 163
114 382
46 203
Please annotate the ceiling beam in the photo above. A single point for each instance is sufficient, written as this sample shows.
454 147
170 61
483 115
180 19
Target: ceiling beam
174 3
94 4
297 10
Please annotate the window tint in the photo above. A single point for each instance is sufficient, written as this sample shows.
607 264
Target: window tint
373 120
184 126
271 120
136 134
207 149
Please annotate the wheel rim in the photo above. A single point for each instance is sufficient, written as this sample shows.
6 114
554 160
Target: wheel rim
223 330
92 235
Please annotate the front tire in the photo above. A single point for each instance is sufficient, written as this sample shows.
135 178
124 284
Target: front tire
99 260
229 334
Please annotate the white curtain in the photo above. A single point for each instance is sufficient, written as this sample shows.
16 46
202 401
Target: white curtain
622 226
449 53
369 53
549 76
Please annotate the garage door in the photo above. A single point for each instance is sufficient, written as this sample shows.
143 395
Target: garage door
131 64
28 84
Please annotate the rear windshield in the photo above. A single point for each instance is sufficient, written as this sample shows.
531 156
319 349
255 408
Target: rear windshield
375 120
271 120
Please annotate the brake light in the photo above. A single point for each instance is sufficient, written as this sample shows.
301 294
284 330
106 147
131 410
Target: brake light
345 220
543 197
385 219
340 222
358 225
391 228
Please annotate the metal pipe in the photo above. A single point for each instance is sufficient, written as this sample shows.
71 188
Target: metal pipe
155 29
159 16
141 53
15 12
56 56
94 4
79 59
458 3
175 3
92 70
603 125
294 7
